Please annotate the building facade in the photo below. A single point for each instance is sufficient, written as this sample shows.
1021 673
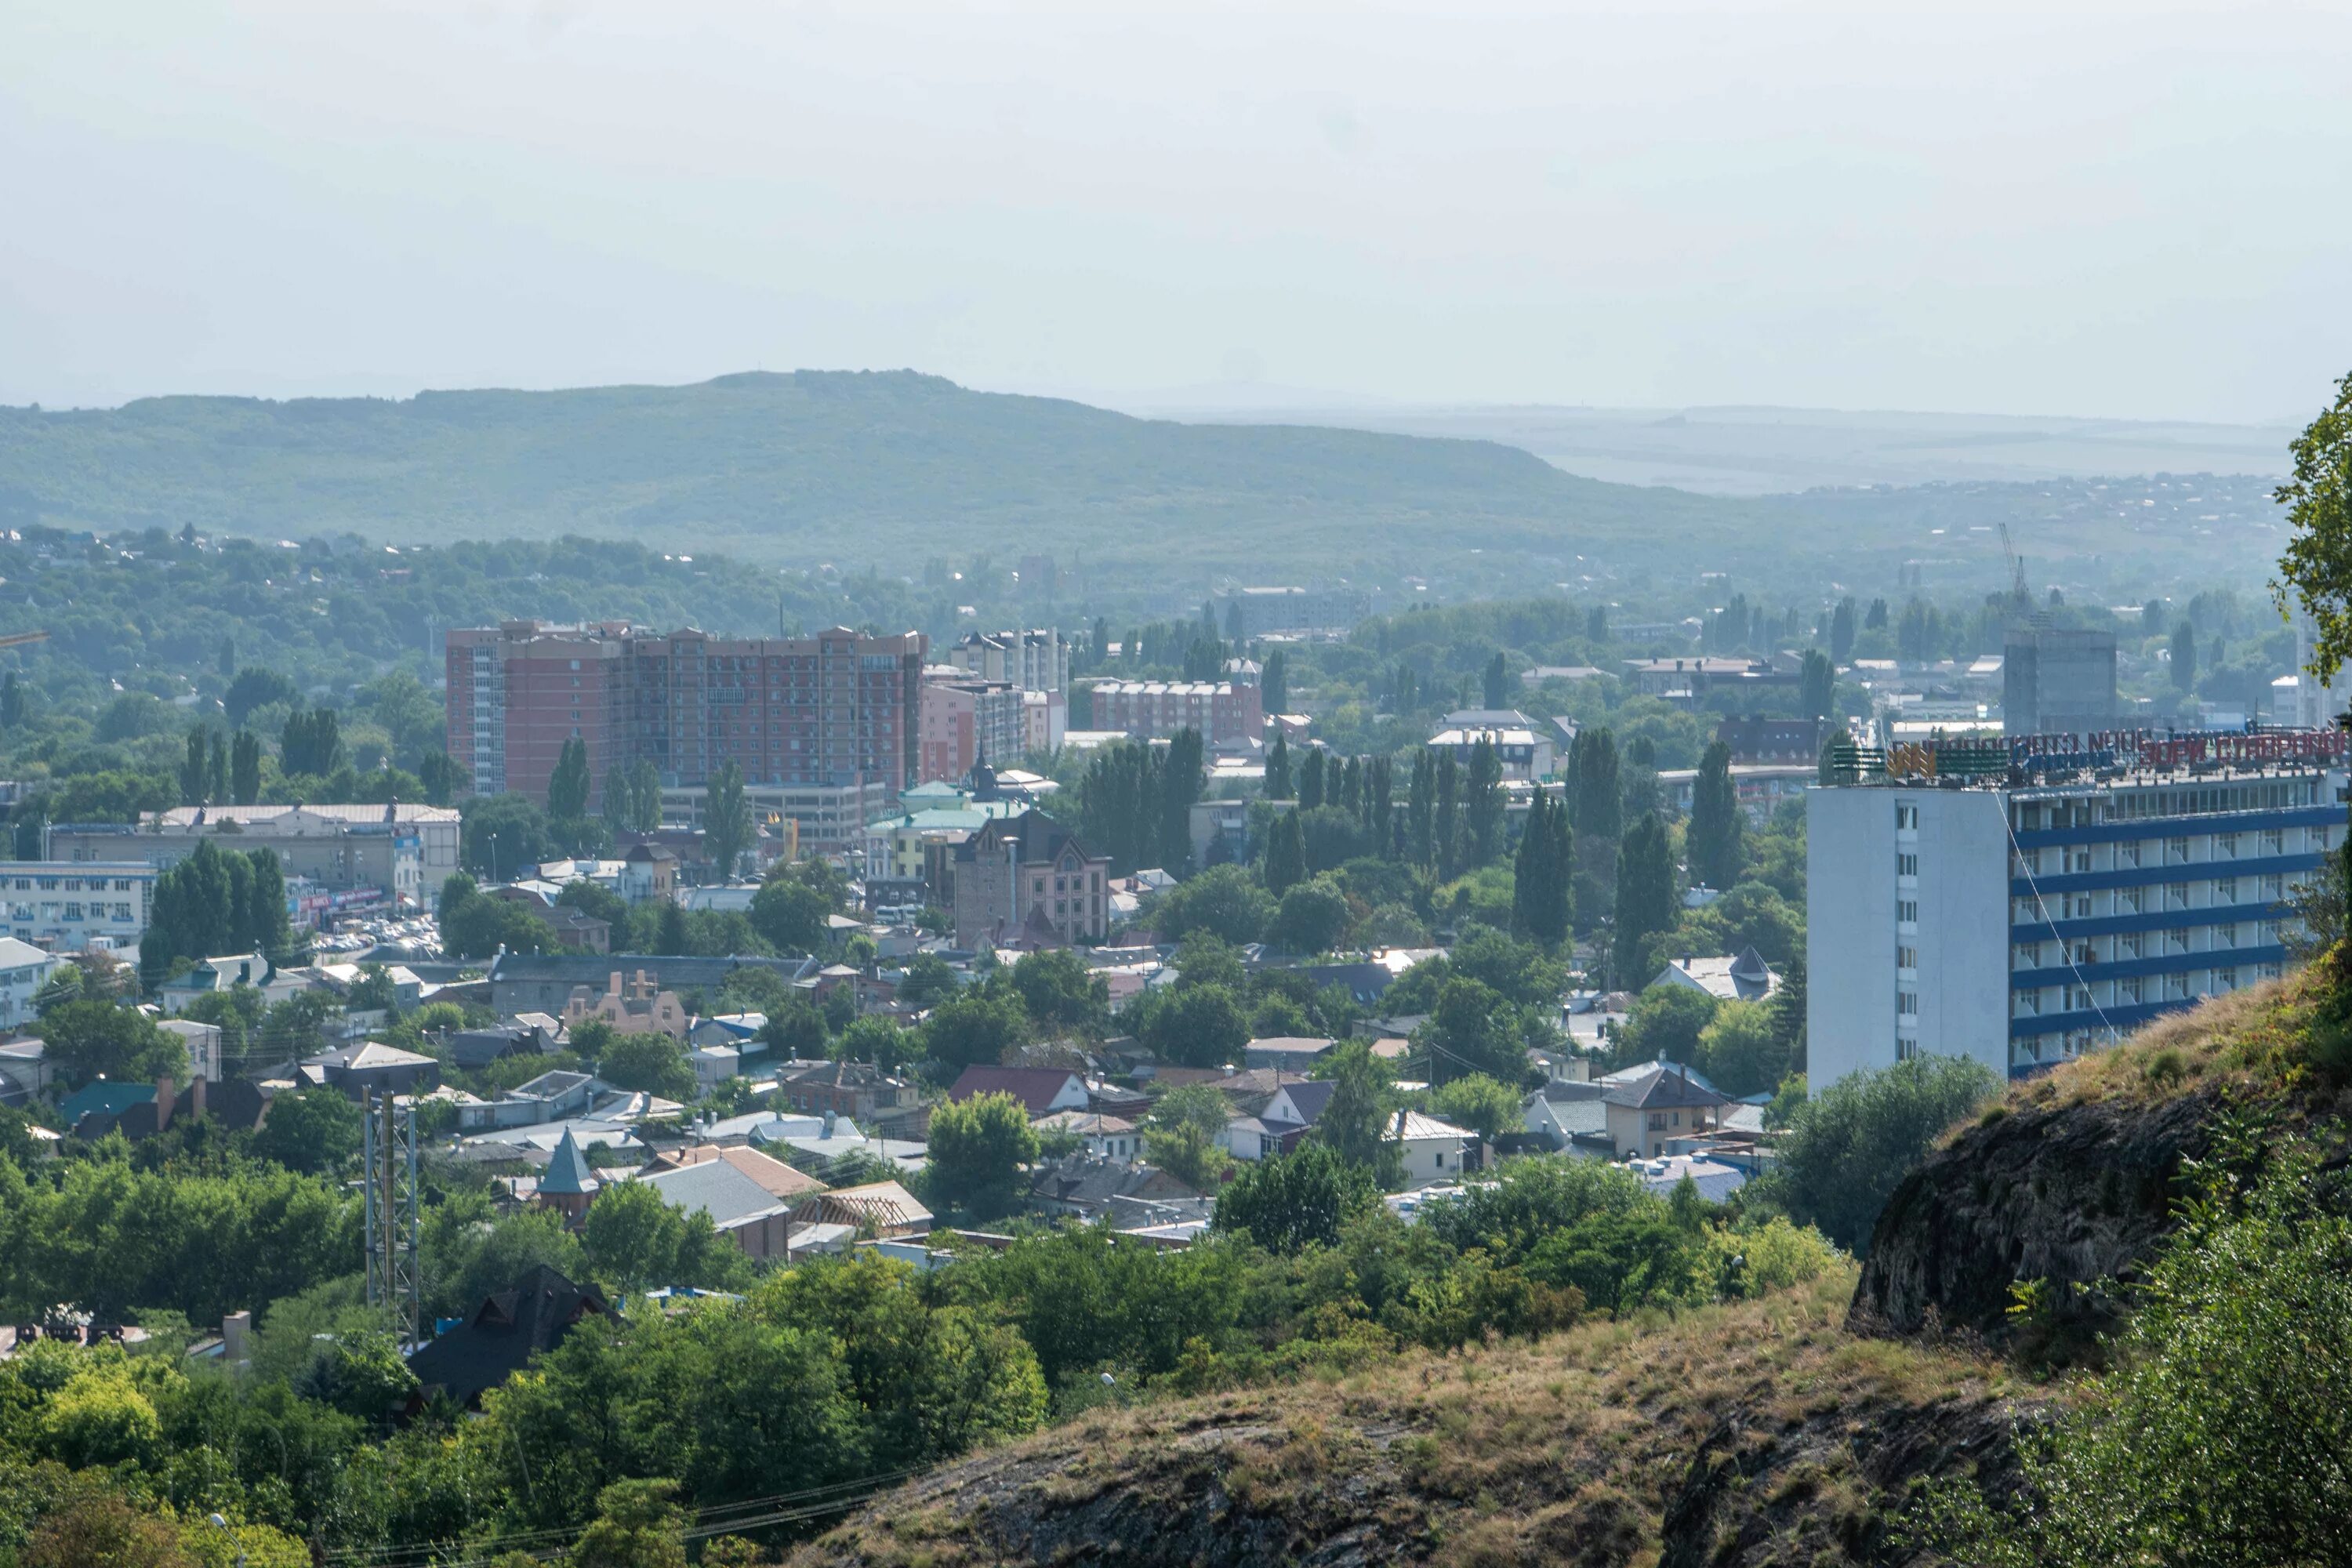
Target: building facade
71 908
2057 682
1028 878
1033 660
1266 612
403 852
2020 925
963 718
1225 713
834 709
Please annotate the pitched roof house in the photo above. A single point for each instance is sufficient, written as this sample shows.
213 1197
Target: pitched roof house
1040 1090
505 1331
1657 1102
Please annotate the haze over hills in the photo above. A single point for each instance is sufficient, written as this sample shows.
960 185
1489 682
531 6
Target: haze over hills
1766 451
891 469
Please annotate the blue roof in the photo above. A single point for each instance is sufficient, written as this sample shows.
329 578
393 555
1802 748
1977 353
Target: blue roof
112 1098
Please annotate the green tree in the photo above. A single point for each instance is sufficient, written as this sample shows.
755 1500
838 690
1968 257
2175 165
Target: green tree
650 1062
1311 781
978 1148
1741 1050
1485 1105
1223 901
1481 803
1286 855
790 915
255 689
1852 1140
1197 1025
1816 685
89 1040
638 1525
1274 686
1181 1132
1314 916
63 985
1842 631
1717 821
797 1030
2184 653
975 1029
244 769
636 1239
1596 791
2219 1436
313 1131
500 834
930 981
1475 1028
1278 785
2316 568
311 744
1360 1114
1645 895
1420 829
1664 1025
1445 825
441 776
619 799
1060 993
567 787
1291 1202
1495 685
1543 872
727 830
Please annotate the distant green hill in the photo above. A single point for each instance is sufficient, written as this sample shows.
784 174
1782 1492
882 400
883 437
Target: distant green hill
814 465
892 470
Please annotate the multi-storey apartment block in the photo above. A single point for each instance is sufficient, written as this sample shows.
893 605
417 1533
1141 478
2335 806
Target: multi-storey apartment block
2025 917
834 709
1226 714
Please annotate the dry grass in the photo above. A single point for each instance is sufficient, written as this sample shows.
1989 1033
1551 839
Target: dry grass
2251 1037
1566 1449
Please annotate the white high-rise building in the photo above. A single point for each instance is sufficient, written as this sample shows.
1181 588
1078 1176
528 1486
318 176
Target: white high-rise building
2021 924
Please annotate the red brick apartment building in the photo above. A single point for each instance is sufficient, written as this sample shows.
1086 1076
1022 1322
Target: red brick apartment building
833 709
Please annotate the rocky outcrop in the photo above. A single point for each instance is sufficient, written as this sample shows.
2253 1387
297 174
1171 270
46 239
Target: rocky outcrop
1732 1437
2075 1193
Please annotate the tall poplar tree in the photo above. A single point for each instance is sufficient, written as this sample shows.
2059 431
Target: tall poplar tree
1481 803
1286 855
1645 895
1421 809
1716 823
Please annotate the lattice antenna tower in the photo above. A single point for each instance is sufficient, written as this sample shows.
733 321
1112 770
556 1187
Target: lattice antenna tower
394 1281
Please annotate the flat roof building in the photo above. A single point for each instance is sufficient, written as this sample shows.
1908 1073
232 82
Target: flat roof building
2024 917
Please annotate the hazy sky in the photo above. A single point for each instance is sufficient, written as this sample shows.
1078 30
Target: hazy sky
2129 210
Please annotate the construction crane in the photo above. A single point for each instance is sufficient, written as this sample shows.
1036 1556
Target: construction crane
2018 591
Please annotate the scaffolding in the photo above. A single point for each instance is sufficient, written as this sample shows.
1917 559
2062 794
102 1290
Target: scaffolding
395 1280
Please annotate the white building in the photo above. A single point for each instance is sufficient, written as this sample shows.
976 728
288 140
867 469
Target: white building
23 970
2022 925
71 907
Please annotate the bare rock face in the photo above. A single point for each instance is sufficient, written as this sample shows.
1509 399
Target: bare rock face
2078 1195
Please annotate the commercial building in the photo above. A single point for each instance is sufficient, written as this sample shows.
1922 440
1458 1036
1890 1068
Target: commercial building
836 709
1225 713
963 718
72 907
1687 682
1267 612
1525 753
401 853
2057 682
2043 907
1033 660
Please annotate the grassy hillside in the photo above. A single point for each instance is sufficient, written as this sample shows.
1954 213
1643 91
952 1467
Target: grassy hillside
850 466
1757 1433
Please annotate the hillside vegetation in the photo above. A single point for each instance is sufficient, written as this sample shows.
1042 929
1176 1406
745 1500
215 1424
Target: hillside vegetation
1761 1432
854 466
898 468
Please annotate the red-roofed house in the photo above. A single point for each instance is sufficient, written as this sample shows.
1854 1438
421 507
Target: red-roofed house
1043 1091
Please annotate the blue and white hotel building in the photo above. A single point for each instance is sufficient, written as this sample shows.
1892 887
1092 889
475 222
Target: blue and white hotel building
2023 923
